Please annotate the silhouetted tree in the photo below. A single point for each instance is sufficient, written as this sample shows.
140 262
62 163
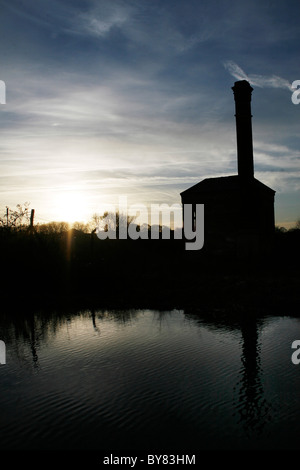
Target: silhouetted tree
95 221
81 227
53 228
111 221
17 218
279 229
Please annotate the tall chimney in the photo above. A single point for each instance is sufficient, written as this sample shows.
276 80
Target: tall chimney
242 96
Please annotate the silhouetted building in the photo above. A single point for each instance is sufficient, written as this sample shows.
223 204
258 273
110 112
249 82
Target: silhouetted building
239 209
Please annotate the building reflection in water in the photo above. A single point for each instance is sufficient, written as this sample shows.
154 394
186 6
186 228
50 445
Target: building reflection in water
254 410
250 407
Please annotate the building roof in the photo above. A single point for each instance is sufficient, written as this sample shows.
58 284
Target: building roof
227 183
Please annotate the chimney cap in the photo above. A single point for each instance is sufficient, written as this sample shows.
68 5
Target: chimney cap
242 85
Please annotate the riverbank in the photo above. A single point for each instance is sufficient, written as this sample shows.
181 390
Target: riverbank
78 271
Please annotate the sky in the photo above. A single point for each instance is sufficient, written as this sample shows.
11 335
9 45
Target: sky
132 98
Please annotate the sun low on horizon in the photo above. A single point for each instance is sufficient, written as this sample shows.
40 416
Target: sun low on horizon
70 206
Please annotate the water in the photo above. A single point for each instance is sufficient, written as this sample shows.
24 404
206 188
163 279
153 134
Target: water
147 379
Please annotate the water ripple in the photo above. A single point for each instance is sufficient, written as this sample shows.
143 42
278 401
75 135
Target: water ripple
93 380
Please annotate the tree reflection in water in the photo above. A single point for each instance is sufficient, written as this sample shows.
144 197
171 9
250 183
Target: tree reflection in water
33 340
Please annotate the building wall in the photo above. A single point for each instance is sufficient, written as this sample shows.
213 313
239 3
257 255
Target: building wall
235 220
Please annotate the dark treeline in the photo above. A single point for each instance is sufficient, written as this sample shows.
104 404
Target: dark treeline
47 267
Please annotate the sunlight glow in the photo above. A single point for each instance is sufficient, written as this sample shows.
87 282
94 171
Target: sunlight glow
70 206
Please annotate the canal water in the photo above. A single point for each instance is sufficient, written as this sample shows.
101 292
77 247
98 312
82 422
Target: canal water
145 379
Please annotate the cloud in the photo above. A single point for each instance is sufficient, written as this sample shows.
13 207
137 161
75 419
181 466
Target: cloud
261 81
280 181
100 19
